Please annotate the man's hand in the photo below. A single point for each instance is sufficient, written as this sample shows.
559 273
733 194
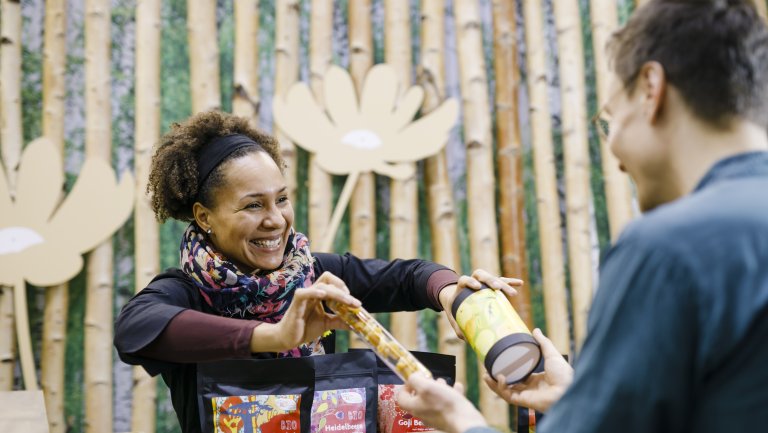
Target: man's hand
541 390
439 405
479 278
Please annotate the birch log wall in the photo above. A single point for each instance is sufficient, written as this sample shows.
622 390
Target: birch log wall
512 194
442 207
56 298
99 287
481 184
10 143
147 231
362 206
404 195
320 58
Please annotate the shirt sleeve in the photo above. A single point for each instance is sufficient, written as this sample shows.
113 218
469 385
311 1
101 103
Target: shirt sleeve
162 326
636 369
387 286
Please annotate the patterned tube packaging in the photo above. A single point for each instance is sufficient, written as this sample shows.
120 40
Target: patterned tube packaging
391 352
497 334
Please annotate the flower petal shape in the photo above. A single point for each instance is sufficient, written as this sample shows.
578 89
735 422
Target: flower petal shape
340 98
424 137
298 110
379 94
401 171
407 107
39 185
95 208
43 265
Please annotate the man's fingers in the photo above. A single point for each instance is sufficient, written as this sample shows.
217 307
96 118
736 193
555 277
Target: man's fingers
458 386
548 349
515 282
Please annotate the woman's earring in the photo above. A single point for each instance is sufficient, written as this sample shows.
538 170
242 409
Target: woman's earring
209 231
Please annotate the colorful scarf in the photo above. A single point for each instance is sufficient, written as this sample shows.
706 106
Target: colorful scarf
260 296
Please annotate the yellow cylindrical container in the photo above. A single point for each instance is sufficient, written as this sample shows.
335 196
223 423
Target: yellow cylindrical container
497 334
394 355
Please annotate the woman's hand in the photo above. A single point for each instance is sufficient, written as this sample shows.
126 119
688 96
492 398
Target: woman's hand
541 390
305 319
478 279
439 405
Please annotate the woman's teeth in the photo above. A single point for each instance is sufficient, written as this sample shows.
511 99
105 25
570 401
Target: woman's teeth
267 244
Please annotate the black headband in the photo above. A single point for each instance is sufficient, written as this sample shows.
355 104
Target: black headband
217 150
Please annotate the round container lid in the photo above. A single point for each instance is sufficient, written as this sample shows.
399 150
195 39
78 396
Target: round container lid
514 356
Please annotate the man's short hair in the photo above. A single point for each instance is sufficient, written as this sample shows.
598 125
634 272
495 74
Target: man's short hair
714 52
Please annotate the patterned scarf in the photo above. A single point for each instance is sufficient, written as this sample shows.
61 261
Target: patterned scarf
260 296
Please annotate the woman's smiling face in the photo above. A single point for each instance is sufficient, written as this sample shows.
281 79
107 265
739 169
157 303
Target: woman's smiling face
252 217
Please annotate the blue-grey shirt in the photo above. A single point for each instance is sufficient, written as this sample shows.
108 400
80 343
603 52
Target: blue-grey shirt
678 332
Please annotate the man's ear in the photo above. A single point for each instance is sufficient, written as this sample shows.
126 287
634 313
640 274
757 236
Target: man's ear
202 216
652 86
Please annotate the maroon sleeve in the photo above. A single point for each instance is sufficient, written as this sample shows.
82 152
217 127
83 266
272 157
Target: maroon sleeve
192 336
437 282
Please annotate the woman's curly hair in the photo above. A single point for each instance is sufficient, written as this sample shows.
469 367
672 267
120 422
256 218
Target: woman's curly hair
172 183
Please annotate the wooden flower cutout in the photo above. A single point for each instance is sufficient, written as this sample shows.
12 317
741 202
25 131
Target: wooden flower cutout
376 133
42 236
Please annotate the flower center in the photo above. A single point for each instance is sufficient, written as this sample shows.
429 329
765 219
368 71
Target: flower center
17 239
361 139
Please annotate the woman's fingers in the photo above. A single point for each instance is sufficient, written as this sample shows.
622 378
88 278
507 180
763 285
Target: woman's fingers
326 292
329 278
495 282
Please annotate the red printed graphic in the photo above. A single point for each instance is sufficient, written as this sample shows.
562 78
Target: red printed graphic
392 419
338 411
256 414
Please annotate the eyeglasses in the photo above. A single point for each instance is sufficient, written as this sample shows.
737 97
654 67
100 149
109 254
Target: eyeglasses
602 120
602 125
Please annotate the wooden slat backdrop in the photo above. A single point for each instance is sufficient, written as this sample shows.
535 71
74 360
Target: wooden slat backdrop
146 230
99 274
52 359
404 195
11 144
442 206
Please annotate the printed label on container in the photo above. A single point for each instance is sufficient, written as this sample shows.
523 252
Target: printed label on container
338 411
256 414
486 316
392 419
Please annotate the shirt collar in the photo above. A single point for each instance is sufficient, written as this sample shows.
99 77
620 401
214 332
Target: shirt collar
738 166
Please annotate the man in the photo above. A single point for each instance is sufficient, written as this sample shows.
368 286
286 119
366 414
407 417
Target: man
678 332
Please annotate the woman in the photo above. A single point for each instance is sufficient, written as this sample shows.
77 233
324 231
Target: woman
248 285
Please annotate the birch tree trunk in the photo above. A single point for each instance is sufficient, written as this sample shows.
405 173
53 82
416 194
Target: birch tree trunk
404 195
618 193
146 229
245 99
548 206
442 213
578 197
98 144
286 74
203 40
761 7
10 140
509 155
481 185
362 206
57 297
320 58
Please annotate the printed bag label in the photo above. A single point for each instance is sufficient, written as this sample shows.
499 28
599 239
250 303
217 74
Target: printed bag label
338 411
256 414
392 419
